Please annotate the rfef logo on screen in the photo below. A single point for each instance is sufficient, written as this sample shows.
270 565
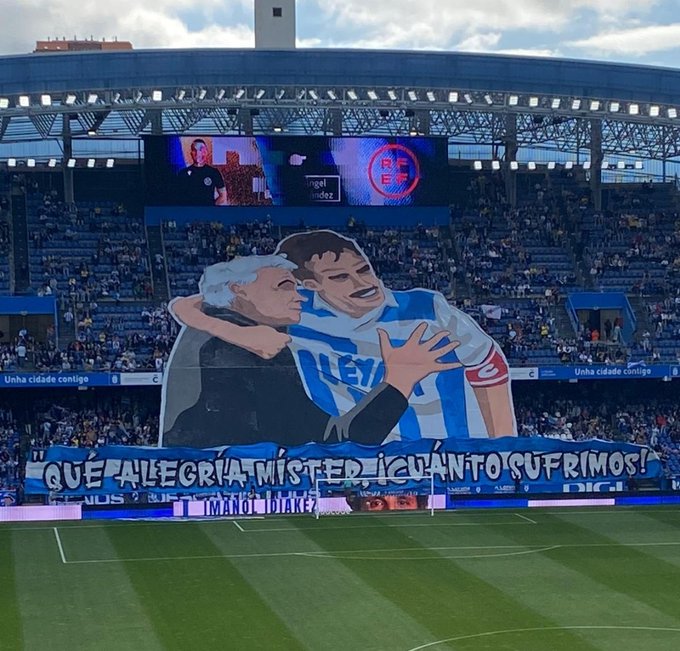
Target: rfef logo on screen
394 171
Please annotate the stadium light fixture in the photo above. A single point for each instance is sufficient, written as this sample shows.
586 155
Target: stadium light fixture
453 97
280 93
24 101
468 98
30 162
514 165
202 93
638 165
604 165
71 163
92 98
239 94
569 165
219 95
621 165
261 93
488 99
110 162
551 165
138 96
352 94
372 95
586 164
91 133
4 102
278 129
413 132
431 97
495 165
477 165
181 94
575 104
672 113
654 111
594 105
614 107
533 101
52 162
116 98
331 94
70 99
513 100
531 165
392 94
91 162
11 162
556 103
46 100
633 109
412 95
157 95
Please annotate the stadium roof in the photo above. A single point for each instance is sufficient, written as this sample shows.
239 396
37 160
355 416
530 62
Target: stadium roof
461 95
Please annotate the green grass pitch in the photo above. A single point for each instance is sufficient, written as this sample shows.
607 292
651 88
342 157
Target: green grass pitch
570 580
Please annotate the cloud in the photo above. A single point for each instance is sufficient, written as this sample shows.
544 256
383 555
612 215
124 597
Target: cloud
636 41
479 42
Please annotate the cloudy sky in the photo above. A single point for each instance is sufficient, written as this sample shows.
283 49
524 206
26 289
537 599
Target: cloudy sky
635 31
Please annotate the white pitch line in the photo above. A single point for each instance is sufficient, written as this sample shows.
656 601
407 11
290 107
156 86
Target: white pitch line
524 517
544 628
326 553
395 526
61 548
238 526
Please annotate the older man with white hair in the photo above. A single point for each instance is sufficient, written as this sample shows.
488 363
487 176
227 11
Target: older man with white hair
216 393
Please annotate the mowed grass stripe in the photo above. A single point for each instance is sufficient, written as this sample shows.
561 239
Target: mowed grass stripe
76 606
196 604
324 602
10 619
568 597
444 597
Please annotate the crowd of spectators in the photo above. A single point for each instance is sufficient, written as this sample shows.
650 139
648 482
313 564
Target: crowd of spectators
9 450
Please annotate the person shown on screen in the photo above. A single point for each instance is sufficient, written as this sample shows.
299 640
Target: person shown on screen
387 502
201 184
221 394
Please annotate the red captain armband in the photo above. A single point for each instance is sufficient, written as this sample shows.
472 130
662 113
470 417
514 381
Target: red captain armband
490 373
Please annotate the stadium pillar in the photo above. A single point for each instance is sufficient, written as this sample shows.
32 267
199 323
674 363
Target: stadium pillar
596 163
68 153
510 155
334 121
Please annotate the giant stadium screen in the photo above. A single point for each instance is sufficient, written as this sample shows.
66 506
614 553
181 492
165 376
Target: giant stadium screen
295 171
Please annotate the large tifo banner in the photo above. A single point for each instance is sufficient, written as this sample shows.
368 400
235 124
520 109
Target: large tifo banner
454 464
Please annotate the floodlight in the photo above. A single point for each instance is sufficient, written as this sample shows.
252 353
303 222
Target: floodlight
555 104
24 101
46 100
638 165
477 165
654 111
412 95
4 102
352 94
533 101
91 162
110 162
531 165
614 107
157 95
586 165
514 165
70 99
71 163
278 129
604 165
569 165
11 162
513 100
468 98
575 104
594 105
181 94
202 93
30 162
331 94
488 99
453 97
261 93
219 95
52 162
431 96
92 133
621 165
495 165
392 94
672 113
92 98
372 95
279 94
633 109
551 165
239 93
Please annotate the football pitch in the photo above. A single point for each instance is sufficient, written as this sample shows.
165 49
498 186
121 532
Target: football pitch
529 580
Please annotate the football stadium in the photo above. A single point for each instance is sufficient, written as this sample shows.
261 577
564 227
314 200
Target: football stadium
465 267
